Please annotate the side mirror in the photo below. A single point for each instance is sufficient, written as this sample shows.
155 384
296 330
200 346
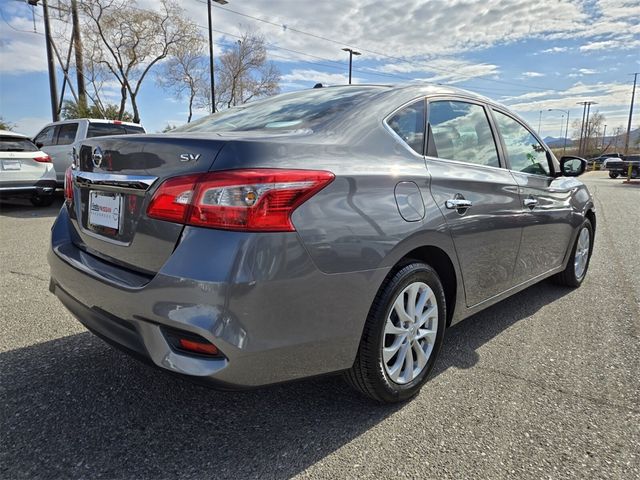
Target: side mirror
572 166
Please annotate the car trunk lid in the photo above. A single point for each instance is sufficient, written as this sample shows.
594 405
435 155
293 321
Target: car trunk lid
114 181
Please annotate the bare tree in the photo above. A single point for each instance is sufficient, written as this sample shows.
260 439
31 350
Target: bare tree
592 134
129 41
186 70
243 73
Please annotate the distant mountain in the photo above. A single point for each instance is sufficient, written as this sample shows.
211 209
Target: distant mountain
615 143
557 142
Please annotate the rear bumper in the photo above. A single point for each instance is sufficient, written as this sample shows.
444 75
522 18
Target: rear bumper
258 297
14 189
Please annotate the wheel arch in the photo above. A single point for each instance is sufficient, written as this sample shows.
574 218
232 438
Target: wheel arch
444 267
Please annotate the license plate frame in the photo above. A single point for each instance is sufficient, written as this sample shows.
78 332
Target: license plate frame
105 210
11 165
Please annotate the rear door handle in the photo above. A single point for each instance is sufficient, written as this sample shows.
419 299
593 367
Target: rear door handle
458 203
530 202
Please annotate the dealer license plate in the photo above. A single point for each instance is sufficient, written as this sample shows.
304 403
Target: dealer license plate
105 209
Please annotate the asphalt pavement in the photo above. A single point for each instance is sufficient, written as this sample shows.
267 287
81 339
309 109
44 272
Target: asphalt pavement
545 384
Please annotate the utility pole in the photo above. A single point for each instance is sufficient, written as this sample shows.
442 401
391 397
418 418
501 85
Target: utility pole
53 86
633 97
213 80
584 131
352 52
77 45
584 112
604 135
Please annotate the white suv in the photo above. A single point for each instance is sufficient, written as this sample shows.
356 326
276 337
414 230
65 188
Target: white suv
58 138
25 170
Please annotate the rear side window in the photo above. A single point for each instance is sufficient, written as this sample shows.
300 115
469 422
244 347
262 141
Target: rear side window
130 129
45 137
460 131
17 144
67 133
525 153
104 129
408 123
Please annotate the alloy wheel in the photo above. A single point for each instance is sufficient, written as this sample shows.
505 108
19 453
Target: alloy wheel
581 256
410 333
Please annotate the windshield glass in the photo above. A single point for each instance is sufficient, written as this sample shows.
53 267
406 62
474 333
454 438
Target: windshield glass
291 111
17 144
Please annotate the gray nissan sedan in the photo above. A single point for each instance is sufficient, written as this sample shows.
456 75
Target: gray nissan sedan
338 229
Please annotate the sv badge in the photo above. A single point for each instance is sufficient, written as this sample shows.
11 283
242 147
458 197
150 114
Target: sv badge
189 157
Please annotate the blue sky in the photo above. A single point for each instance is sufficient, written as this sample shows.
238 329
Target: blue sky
531 56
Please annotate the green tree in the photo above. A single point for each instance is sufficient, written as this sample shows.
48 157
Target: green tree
5 125
111 111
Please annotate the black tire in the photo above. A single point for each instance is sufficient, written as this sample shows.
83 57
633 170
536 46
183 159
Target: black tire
42 200
634 173
568 276
613 175
368 374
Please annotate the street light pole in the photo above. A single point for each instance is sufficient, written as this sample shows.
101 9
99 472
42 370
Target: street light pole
213 80
352 52
539 122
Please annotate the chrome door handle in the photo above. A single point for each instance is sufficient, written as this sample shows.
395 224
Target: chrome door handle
530 202
458 203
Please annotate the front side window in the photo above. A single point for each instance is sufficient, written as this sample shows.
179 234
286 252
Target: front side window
67 133
408 124
460 131
45 137
525 153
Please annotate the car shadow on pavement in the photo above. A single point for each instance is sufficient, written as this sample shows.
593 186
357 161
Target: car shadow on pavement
22 208
75 408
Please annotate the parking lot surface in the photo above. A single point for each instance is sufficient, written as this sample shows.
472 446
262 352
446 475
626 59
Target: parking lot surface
545 384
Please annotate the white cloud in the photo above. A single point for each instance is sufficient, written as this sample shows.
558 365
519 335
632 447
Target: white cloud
22 50
605 94
554 50
442 69
532 74
618 44
310 77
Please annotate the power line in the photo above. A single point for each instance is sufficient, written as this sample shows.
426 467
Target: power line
337 42
17 29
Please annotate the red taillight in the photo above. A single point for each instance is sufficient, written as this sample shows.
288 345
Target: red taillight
194 346
68 185
250 200
172 199
43 159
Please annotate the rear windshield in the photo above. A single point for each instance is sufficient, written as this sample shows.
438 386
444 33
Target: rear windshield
291 111
104 129
16 144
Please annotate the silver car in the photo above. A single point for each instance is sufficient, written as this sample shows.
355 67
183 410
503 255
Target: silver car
338 229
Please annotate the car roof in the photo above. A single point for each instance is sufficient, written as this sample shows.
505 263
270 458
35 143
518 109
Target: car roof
9 133
94 120
422 88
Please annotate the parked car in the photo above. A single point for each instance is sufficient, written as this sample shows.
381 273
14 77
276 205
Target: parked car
314 232
58 138
601 160
25 171
620 167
